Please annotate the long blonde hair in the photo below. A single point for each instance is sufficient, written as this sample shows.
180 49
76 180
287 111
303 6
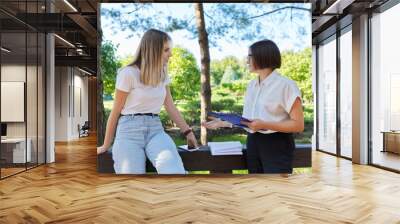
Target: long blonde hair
148 57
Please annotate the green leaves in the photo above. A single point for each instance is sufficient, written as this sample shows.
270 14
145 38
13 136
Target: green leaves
227 70
297 66
185 75
109 66
230 77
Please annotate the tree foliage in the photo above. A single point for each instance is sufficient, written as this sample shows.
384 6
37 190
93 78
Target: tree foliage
109 65
297 66
227 70
228 95
184 73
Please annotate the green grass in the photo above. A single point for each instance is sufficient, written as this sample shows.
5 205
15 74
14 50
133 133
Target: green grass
305 170
240 172
179 141
233 137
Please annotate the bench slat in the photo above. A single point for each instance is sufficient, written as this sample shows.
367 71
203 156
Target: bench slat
202 160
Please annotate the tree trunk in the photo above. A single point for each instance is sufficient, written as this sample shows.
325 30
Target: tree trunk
205 68
100 105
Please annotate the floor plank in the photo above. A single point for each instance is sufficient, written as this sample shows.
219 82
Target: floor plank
387 159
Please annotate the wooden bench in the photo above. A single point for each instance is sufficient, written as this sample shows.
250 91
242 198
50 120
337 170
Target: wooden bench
202 160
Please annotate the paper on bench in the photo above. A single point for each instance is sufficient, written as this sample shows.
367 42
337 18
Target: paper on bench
225 148
185 147
226 153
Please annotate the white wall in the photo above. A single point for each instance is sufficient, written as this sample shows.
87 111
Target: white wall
61 103
71 93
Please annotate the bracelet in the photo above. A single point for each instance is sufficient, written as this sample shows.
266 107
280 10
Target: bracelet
185 133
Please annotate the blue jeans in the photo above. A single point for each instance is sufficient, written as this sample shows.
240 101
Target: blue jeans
141 136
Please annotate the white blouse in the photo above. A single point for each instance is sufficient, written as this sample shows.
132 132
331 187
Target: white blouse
142 98
270 100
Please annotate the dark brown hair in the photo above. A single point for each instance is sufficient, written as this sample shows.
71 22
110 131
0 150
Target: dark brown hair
265 54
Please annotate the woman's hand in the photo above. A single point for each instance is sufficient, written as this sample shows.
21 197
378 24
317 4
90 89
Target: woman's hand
119 102
191 140
255 125
102 149
216 123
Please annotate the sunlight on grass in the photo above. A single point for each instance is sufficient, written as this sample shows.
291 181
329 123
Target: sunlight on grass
108 104
303 170
240 172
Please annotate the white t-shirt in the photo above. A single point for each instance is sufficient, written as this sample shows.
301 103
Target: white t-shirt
270 100
142 98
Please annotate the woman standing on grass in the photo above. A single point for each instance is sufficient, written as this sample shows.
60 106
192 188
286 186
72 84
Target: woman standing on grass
273 105
140 91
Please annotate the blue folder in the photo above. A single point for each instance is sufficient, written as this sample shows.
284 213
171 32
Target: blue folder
234 119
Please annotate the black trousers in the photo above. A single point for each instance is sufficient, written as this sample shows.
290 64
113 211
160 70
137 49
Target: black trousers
270 153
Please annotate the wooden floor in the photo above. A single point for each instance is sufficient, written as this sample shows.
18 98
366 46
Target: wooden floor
71 191
387 159
5 172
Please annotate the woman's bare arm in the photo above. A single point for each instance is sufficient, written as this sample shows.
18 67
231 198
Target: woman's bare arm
119 102
294 124
173 112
